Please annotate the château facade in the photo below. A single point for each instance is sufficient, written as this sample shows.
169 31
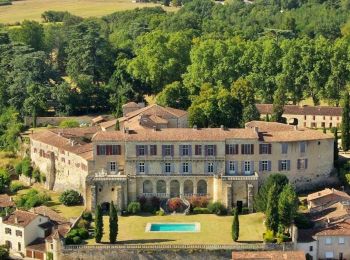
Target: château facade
223 164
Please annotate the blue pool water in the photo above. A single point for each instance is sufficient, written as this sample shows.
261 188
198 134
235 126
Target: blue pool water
173 227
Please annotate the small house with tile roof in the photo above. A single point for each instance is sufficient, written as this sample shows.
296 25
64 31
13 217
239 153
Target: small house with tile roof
6 201
307 116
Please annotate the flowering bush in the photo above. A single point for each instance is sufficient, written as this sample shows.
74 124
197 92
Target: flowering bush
175 204
198 201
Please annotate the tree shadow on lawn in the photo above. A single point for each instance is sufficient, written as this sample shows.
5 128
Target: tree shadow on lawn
141 241
248 242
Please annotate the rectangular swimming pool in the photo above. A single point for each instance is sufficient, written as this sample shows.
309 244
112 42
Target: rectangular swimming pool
173 227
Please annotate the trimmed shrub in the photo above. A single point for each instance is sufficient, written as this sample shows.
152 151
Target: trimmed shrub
18 168
142 200
70 198
76 240
16 186
201 211
134 208
32 199
269 237
83 224
4 252
36 175
27 169
5 180
87 216
69 123
83 233
245 210
217 208
160 213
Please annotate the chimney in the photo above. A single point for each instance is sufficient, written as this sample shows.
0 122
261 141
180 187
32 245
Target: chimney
16 220
195 127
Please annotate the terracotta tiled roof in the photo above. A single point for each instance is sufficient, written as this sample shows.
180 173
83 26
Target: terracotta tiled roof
294 136
37 245
269 255
6 201
109 123
51 214
164 112
332 212
75 132
176 134
20 218
338 229
269 126
327 192
52 138
302 110
97 119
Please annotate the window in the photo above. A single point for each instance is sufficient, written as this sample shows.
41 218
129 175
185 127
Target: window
302 164
341 240
140 150
313 117
184 150
311 248
302 146
329 255
19 246
265 148
247 167
283 165
108 149
112 166
141 167
337 118
328 241
330 125
232 149
247 148
231 167
284 148
210 151
167 150
341 256
198 149
153 149
304 117
324 118
331 118
167 167
185 167
8 231
265 166
18 233
210 167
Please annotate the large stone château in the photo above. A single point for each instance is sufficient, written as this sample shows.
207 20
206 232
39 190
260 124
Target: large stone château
226 165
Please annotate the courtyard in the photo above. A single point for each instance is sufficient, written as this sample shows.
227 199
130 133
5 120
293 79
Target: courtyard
214 229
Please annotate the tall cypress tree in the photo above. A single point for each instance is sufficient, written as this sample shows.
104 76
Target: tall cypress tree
235 226
336 149
279 100
113 224
272 220
98 224
345 125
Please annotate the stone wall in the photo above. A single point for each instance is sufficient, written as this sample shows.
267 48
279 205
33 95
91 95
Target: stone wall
144 255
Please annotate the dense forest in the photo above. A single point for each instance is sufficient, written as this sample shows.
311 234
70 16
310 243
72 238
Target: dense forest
214 59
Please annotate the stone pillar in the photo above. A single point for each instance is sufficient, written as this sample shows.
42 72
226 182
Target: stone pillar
120 197
195 186
93 197
229 196
181 189
168 188
250 197
125 193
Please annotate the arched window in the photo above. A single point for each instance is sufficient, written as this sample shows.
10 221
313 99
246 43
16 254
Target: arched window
147 187
188 187
161 186
174 189
202 187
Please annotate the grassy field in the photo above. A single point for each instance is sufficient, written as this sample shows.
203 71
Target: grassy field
32 9
8 159
214 229
67 212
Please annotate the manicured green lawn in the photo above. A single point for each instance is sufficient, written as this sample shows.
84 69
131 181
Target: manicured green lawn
67 212
214 229
32 9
